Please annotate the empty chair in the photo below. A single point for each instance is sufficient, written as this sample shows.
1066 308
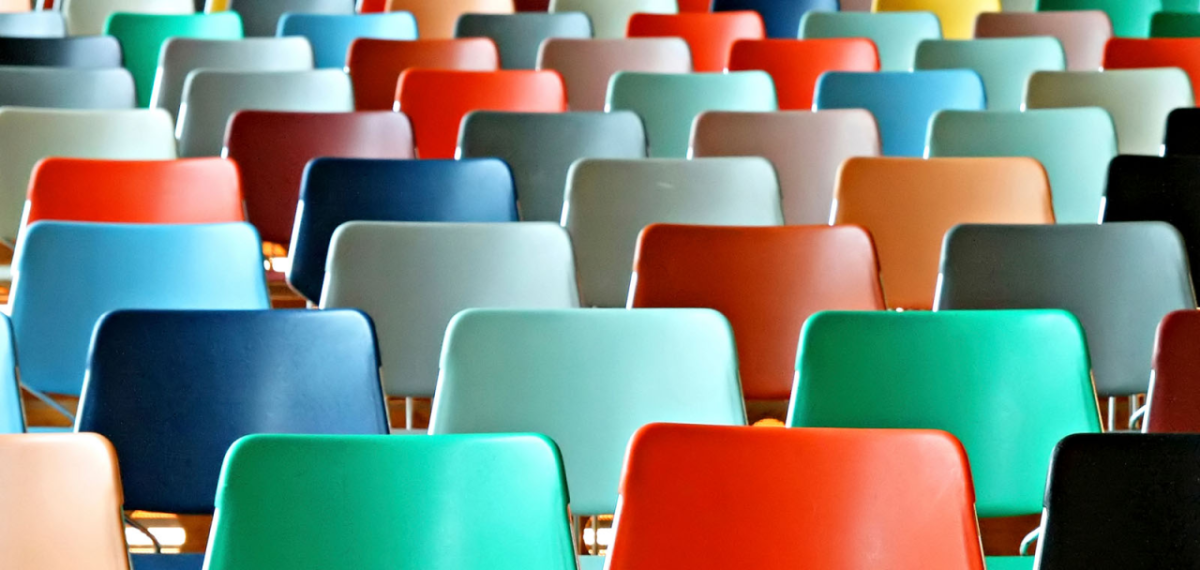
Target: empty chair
262 17
12 414
1122 53
375 65
1083 33
87 17
709 36
610 202
66 88
541 147
93 52
1170 25
519 36
1130 18
586 66
436 20
903 103
1004 64
142 37
610 18
1074 145
908 205
895 34
1174 388
40 24
1152 188
795 65
332 34
781 17
957 16
1183 133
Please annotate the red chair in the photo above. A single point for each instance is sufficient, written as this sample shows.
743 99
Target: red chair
795 65
372 6
695 5
1184 53
532 5
437 101
710 36
1175 393
716 498
375 65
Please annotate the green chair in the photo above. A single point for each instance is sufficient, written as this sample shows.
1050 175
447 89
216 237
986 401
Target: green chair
1130 18
896 34
1074 145
1175 25
142 37
387 502
1005 64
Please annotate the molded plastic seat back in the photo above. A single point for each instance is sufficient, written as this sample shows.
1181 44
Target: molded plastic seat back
40 24
587 66
1175 25
1175 389
1130 18
142 37
709 36
12 413
1083 34
66 88
956 16
436 20
896 34
1122 53
1156 189
262 17
375 65
519 37
1004 64
88 17
332 34
610 18
91 52
795 66
781 17
1183 133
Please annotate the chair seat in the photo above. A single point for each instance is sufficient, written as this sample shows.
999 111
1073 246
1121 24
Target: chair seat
167 561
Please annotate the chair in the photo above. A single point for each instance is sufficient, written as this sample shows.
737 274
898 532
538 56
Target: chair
806 148
906 493
473 190
903 102
1172 401
1175 25
12 414
1130 18
709 36
610 202
375 65
1083 33
541 147
908 205
435 271
1074 145
94 52
956 16
262 17
781 17
1123 53
668 103
437 101
142 37
332 34
436 20
1156 189
88 17
1136 274
1004 64
519 36
41 24
610 18
210 98
586 66
1182 126
62 496
795 66
273 148
1139 100
767 281
66 88
895 34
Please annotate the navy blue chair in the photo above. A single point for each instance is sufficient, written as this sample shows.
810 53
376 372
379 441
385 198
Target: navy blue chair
782 17
338 190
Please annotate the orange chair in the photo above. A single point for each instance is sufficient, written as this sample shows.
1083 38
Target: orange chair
60 496
908 205
710 36
795 65
436 19
375 65
766 281
437 101
717 498
1127 53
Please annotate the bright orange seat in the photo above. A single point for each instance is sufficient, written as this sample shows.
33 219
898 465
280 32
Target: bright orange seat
375 65
1127 53
436 18
436 101
710 36
795 65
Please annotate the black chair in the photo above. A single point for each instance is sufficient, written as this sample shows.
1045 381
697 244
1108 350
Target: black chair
91 52
1183 132
1156 189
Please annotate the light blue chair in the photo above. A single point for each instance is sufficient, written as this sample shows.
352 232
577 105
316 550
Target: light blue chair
896 34
332 34
40 24
1005 64
12 417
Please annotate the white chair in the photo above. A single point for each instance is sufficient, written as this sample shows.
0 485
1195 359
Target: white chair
87 17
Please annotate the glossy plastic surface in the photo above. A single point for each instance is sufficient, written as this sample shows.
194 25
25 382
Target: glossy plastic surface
1175 25
896 34
93 52
519 37
781 17
1130 18
40 24
375 65
587 66
332 34
66 88
795 66
1083 33
1183 133
142 37
610 18
1004 64
436 20
710 36
1175 388
262 17
1150 189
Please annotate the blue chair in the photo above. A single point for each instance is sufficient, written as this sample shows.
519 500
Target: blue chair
475 190
903 102
332 34
782 17
12 417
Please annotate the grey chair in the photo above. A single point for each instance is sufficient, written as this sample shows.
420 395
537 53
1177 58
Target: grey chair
540 148
61 88
519 36
586 66
46 24
91 52
260 18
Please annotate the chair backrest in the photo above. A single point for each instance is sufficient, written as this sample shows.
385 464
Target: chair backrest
142 37
502 501
91 52
781 17
272 149
1083 33
587 66
610 18
956 16
1183 133
709 36
1008 384
375 65
1074 145
475 190
610 202
262 17
40 24
767 281
1126 53
1170 25
895 34
12 412
795 66
1157 189
68 274
1130 18
436 20
1004 64
332 34
588 379
541 147
66 88
519 37
669 103
62 496
907 493
1174 387
437 101
87 17
903 103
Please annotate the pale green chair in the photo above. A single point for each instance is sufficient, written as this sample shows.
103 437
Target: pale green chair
896 34
1005 64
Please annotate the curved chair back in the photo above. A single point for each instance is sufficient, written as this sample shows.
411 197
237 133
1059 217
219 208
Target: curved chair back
40 24
436 20
610 18
956 16
88 17
709 36
90 52
519 37
1004 64
795 66
1183 133
781 17
332 34
1130 18
1157 189
142 37
587 66
1174 386
895 34
1083 34
66 88
375 65
262 17
1125 53
12 412
1175 25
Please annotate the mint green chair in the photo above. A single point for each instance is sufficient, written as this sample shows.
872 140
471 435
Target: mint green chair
1175 25
143 35
1074 145
387 502
1130 18
1004 64
896 34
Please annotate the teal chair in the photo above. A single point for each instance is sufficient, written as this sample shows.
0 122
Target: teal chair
1074 145
12 415
142 37
332 34
1175 25
1130 18
896 34
386 502
1005 64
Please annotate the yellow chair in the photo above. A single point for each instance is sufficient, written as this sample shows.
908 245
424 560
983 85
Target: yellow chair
957 16
216 6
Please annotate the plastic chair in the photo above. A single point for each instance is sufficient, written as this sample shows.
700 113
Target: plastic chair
610 18
433 272
1182 128
1130 18
906 493
1139 100
273 148
1004 64
903 102
436 20
210 98
88 17
142 37
767 281
1083 34
956 16
588 379
1171 406
12 413
519 36
1074 145
262 18
668 103
1156 189
807 150
479 190
332 34
66 88
709 36
62 496
908 205
1124 53
587 66
41 24
375 65
437 101
795 65
895 34
781 17
1175 25
541 147
610 202
98 52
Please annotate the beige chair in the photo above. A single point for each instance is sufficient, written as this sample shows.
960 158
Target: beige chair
586 66
1083 33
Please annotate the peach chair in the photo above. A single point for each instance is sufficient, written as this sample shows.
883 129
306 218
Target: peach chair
436 19
710 36
1083 34
586 66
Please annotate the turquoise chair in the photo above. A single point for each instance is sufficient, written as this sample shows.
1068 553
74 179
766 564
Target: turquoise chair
903 102
1130 18
12 416
332 34
896 34
1074 145
669 102
1005 64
